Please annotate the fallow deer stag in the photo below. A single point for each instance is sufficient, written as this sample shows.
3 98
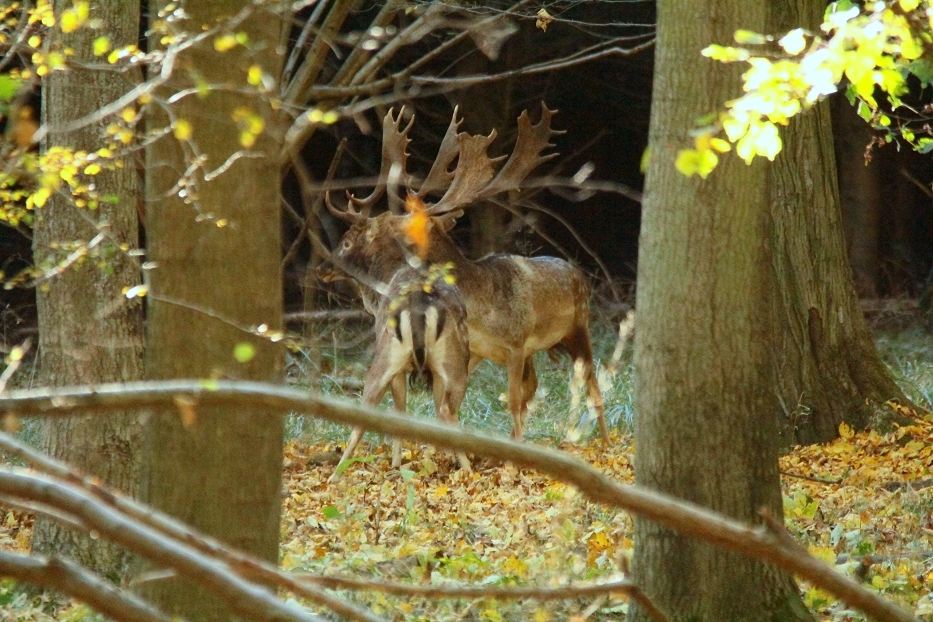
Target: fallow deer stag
420 328
516 306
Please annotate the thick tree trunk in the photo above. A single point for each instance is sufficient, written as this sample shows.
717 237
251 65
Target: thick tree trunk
88 332
706 427
216 278
828 370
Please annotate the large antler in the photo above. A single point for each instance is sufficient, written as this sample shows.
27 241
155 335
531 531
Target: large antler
439 177
392 172
475 178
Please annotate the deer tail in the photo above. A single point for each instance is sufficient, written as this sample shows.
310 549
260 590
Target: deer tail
421 320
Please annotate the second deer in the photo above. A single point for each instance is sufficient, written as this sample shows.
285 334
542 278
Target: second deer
516 306
420 328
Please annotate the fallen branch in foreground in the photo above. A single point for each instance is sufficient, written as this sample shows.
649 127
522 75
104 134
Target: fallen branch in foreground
69 578
502 593
240 563
244 598
684 517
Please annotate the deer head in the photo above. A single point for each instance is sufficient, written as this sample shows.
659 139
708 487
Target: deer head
474 178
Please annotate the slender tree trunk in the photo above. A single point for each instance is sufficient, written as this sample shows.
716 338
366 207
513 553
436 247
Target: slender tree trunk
217 278
88 332
706 427
828 369
484 107
859 196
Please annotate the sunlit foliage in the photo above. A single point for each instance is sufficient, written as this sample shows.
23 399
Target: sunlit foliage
874 50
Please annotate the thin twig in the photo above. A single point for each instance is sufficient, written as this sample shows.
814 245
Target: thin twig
71 579
682 516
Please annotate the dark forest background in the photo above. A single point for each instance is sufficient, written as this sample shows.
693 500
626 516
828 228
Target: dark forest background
604 108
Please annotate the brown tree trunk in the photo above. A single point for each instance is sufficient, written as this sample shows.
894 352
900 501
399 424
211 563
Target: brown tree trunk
706 427
216 278
88 332
859 194
828 370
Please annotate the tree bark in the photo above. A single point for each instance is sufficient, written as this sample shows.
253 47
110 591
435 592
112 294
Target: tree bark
217 277
828 370
859 194
706 423
88 332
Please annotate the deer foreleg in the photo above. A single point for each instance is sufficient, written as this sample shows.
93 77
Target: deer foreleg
399 395
596 396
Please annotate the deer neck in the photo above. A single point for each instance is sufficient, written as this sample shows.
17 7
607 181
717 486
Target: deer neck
442 250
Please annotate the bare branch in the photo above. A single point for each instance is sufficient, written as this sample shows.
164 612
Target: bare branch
73 580
308 71
547 66
243 597
681 516
242 564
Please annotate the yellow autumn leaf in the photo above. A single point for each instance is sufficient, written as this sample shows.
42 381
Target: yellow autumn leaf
254 75
182 129
845 431
92 169
224 43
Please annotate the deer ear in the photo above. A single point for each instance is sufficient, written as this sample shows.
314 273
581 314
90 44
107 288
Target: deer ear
447 221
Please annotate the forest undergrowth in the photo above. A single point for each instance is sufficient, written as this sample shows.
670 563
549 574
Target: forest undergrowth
863 503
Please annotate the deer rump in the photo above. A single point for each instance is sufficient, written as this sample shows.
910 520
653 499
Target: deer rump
415 320
421 329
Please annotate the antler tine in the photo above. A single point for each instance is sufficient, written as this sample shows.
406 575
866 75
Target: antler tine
439 177
394 158
473 174
531 141
347 215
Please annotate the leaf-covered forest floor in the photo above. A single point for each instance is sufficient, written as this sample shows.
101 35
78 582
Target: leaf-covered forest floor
863 503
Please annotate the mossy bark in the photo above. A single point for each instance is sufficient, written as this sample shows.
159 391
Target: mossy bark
89 332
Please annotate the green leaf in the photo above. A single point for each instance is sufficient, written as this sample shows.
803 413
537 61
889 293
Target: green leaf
101 46
923 70
924 145
343 466
407 474
8 87
749 37
330 512
864 111
244 352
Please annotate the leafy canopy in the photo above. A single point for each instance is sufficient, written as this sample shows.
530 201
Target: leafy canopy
875 49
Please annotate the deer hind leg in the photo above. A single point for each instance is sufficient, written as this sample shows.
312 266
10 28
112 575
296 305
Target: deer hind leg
399 395
579 348
447 399
383 370
529 386
515 368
